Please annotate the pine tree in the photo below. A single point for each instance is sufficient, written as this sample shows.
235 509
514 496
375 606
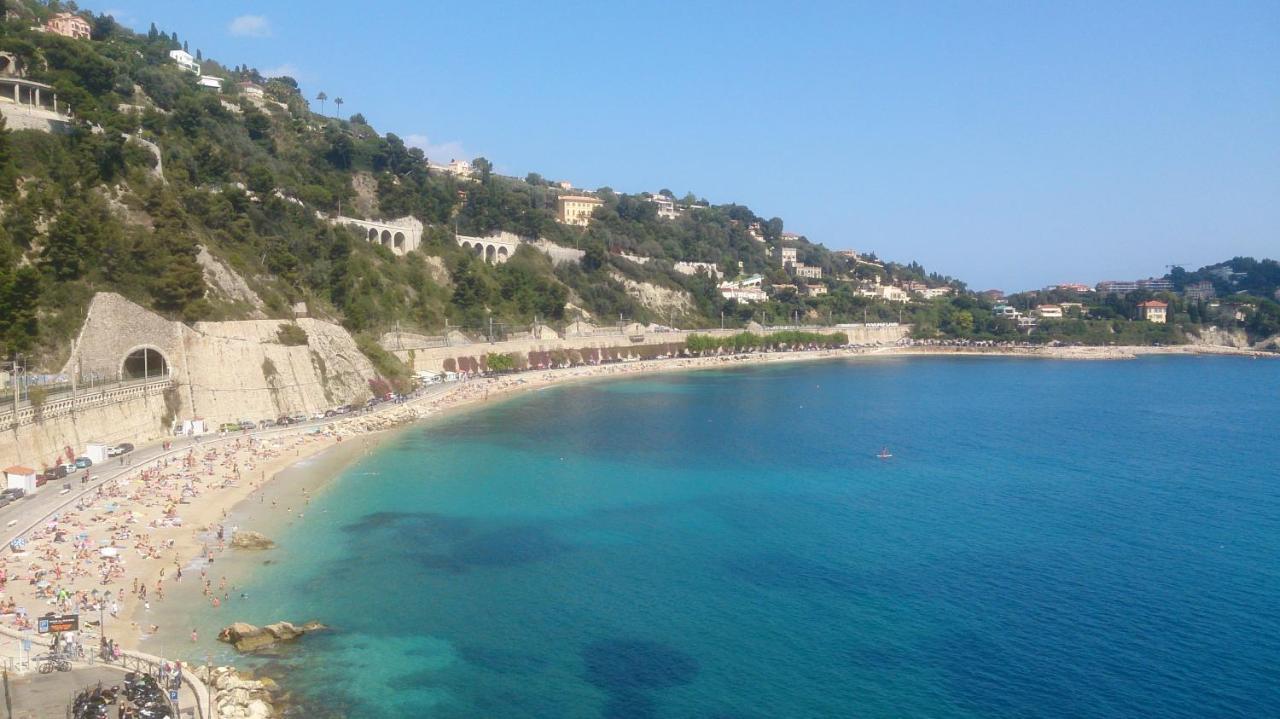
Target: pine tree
153 33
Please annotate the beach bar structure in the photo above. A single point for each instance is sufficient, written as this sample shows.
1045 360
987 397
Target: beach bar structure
19 477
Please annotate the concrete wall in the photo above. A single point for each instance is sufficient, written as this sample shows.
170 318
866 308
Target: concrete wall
38 445
218 371
433 358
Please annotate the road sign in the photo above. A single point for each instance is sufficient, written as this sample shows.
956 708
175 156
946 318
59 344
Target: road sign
58 623
173 695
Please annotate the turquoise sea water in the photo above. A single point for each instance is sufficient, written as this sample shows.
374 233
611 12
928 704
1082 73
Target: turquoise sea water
1050 539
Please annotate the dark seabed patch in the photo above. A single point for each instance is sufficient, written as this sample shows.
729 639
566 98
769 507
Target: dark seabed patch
627 669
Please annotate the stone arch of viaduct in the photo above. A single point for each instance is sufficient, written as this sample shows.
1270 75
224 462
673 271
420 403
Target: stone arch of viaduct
494 249
401 236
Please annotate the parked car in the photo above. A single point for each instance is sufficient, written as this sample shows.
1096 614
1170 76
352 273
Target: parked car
322 415
42 479
83 462
69 468
14 493
247 424
267 424
229 427
284 420
114 451
299 418
331 413
343 408
124 447
57 472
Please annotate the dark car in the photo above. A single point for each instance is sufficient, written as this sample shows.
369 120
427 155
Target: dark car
58 472
284 420
13 493
124 447
42 479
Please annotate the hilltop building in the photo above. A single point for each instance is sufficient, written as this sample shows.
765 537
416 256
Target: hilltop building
576 209
807 271
185 60
747 290
1124 287
69 25
1049 312
457 168
666 207
1200 291
1154 311
252 90
786 255
212 82
1071 287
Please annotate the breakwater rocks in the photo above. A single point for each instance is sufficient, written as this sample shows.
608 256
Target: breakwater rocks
246 539
248 638
240 696
377 421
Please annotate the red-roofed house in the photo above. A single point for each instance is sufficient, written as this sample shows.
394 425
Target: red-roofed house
1154 311
18 477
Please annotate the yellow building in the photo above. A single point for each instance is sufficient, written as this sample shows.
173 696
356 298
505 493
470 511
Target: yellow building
1154 311
576 209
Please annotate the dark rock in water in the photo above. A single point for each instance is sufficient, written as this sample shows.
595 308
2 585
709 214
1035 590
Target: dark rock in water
248 638
245 539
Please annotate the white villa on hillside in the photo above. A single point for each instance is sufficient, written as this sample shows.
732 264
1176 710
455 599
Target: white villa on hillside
747 290
185 60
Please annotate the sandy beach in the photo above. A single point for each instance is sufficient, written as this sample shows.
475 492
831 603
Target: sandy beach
163 523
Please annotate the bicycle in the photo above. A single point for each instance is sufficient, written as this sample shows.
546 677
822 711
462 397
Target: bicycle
49 664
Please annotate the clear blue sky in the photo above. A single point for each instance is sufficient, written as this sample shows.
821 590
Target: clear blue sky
1011 144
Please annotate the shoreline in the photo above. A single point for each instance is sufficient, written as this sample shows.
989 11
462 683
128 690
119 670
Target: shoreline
218 479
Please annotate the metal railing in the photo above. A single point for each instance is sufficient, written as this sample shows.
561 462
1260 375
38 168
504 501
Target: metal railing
68 402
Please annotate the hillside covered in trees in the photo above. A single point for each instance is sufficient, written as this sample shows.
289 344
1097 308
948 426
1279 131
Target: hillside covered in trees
160 185
207 203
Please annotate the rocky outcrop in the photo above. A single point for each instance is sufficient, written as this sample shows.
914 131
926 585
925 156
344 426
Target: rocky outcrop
247 539
1217 337
239 696
386 419
249 638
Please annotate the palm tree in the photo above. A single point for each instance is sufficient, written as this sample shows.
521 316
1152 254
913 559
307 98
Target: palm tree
338 101
322 97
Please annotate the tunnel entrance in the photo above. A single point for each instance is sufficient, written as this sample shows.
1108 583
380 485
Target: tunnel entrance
144 362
